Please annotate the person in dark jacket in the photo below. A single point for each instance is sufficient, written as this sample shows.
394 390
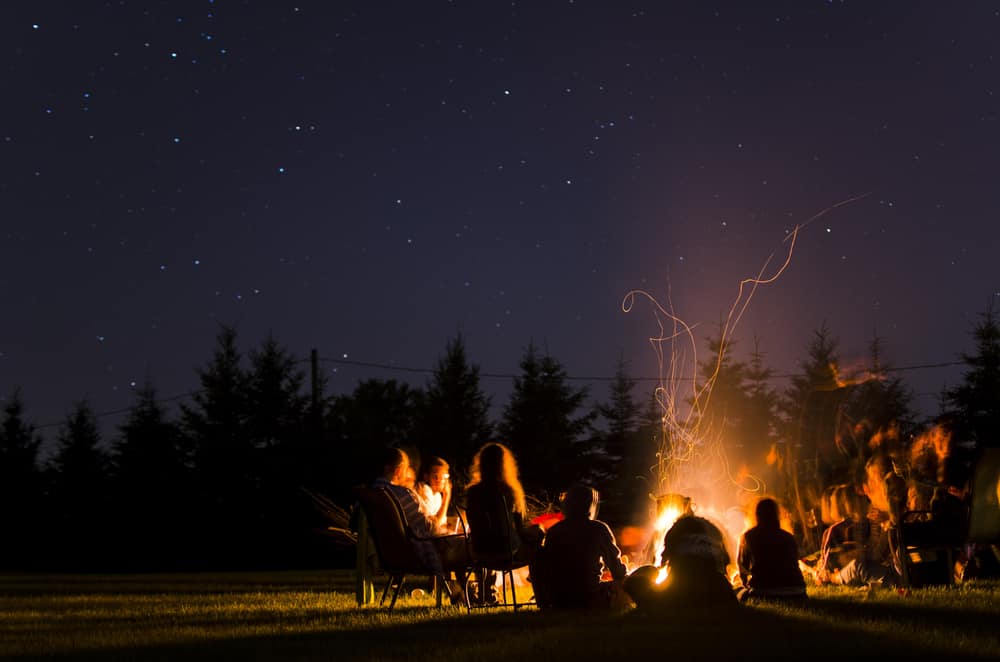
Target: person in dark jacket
768 559
577 550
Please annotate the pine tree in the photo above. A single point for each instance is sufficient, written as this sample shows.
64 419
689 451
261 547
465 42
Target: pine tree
878 406
639 468
80 488
20 484
621 415
722 407
223 460
542 426
811 403
277 430
277 408
378 414
760 423
974 405
148 466
454 420
810 410
764 454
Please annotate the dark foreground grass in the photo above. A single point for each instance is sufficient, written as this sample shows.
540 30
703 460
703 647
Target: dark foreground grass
298 616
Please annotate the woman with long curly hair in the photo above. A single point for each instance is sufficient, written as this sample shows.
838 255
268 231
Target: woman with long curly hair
495 470
495 494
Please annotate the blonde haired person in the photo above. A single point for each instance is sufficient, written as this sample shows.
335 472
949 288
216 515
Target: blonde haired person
494 482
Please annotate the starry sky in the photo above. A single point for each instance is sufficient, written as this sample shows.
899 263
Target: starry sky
370 178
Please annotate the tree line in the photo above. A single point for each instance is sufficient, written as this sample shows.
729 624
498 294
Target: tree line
219 484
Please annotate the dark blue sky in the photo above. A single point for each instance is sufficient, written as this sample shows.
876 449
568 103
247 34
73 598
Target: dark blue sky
369 178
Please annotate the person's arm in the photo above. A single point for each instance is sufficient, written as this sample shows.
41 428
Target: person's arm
420 524
744 559
445 502
611 554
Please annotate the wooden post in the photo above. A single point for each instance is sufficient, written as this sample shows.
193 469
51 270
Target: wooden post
364 589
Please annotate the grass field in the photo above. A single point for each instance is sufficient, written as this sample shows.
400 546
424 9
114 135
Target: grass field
313 616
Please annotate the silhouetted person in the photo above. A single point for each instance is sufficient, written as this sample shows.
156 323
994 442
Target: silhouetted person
854 550
768 558
396 470
694 552
495 483
571 564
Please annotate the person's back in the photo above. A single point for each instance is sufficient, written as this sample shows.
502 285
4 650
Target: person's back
768 558
576 551
488 506
696 553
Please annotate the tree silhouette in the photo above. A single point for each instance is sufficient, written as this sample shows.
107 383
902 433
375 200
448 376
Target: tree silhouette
878 409
621 415
20 485
225 482
760 423
724 411
149 472
277 415
810 409
79 473
763 452
974 405
541 425
378 414
454 419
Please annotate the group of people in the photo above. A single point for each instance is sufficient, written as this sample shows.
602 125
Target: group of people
577 562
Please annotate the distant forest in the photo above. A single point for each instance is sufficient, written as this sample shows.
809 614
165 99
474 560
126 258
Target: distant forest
220 485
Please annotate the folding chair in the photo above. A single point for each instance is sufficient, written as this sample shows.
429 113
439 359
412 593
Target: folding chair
493 547
930 542
393 542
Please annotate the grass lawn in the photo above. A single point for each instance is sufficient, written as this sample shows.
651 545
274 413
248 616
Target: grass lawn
312 616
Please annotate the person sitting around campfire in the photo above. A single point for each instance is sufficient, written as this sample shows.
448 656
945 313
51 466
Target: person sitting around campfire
494 477
768 559
395 471
854 550
571 563
434 490
694 553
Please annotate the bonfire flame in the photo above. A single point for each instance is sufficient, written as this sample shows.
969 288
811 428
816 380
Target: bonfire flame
691 451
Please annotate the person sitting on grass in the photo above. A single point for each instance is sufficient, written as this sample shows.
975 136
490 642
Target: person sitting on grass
695 556
576 552
768 559
854 549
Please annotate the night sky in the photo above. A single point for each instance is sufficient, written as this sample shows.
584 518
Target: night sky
369 179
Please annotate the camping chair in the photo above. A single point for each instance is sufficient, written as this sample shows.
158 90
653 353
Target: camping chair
393 542
924 543
493 546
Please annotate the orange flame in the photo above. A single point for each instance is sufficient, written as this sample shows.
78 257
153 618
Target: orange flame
859 376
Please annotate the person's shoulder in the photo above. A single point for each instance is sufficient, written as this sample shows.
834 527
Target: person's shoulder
402 492
599 525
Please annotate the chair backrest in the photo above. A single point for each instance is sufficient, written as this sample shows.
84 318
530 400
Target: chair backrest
984 506
388 530
492 534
